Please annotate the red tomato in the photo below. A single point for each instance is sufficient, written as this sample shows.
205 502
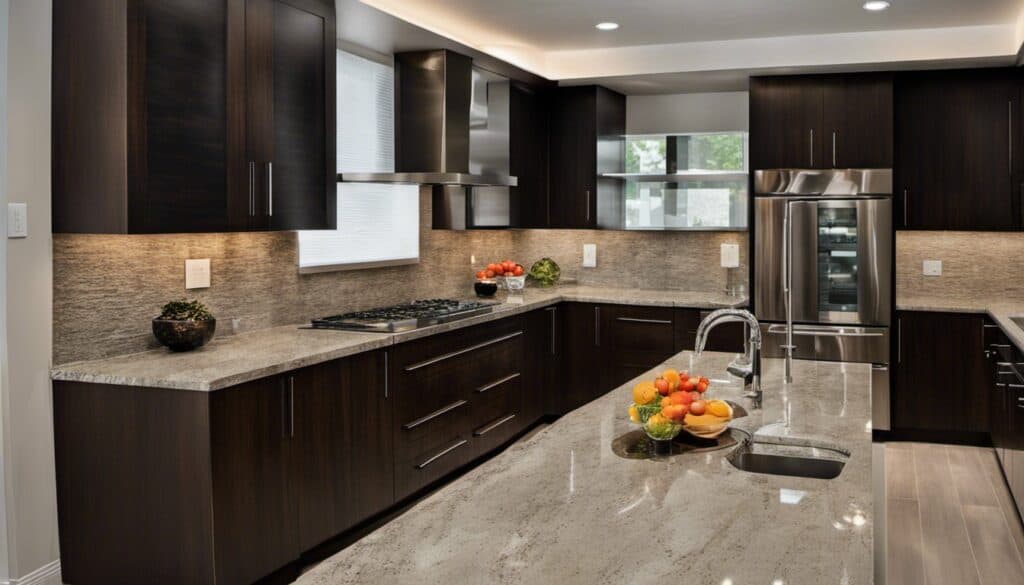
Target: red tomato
689 385
705 380
481 274
698 407
662 385
518 271
492 268
489 273
684 397
702 387
509 273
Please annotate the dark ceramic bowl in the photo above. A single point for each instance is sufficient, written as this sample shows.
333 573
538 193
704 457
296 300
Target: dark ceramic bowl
485 288
183 335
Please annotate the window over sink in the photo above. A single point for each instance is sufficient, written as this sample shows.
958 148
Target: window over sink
686 181
378 224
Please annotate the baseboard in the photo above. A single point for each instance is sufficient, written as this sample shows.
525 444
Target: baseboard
48 574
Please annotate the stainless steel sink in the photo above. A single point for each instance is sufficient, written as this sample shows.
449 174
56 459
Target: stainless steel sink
748 458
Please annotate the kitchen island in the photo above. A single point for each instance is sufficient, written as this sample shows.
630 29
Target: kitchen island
561 507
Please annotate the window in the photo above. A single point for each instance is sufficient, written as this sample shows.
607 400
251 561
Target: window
378 224
686 182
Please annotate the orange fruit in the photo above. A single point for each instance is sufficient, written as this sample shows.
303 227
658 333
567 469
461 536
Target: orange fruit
719 408
644 393
633 414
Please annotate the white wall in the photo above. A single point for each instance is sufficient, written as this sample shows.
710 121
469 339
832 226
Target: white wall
687 112
26 394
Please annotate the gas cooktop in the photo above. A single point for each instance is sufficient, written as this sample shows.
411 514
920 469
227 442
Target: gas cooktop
404 317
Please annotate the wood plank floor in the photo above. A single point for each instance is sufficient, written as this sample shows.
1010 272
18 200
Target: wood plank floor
950 519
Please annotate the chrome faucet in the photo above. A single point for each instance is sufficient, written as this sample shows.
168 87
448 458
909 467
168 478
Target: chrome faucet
747 366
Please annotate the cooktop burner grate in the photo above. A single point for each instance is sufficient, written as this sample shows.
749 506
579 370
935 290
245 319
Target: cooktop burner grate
404 317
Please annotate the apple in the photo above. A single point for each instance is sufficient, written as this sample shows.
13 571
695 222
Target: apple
698 407
702 386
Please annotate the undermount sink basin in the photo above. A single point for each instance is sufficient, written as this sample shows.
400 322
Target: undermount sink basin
747 458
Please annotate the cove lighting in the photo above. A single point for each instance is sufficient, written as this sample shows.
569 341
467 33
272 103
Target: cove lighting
607 25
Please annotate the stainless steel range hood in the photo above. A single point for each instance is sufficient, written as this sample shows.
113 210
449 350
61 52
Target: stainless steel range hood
434 92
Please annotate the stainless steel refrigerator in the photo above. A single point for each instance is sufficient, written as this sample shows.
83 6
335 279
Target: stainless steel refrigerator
823 268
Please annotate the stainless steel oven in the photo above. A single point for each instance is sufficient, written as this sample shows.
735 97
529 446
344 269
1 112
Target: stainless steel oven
822 249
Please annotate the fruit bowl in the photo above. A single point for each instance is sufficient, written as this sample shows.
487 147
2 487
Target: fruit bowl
712 423
661 428
639 413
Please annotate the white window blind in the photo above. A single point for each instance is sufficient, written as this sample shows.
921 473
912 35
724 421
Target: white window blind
378 224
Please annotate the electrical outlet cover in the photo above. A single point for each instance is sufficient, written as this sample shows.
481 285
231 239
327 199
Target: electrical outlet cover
197 273
932 268
590 255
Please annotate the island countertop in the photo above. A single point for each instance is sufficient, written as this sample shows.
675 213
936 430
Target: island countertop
561 507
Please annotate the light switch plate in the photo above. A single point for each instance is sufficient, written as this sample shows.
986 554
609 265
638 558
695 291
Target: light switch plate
197 273
590 255
17 220
932 268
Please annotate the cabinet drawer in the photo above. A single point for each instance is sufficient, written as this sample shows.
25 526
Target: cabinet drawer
422 466
497 413
641 329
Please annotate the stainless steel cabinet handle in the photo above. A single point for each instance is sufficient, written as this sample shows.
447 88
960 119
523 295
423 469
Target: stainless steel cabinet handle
496 383
649 321
252 188
469 349
1009 136
588 206
778 329
553 311
597 326
484 430
812 148
433 415
270 189
387 375
834 133
446 451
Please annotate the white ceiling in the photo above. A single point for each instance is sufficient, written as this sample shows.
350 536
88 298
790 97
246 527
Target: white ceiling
668 46
559 25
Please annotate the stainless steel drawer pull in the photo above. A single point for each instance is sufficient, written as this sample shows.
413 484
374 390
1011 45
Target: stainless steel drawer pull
447 450
484 430
496 383
433 415
252 188
454 354
270 189
1017 387
650 321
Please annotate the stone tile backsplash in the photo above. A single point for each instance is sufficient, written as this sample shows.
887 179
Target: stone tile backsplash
975 265
108 287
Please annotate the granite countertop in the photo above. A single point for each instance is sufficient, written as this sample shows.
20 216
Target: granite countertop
235 359
561 507
1001 311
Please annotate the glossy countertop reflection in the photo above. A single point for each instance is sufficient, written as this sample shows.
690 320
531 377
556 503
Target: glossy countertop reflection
560 507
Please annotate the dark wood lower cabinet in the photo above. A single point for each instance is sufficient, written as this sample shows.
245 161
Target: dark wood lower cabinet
637 339
728 337
227 487
942 378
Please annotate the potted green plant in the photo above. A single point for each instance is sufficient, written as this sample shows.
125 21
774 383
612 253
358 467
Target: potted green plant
184 325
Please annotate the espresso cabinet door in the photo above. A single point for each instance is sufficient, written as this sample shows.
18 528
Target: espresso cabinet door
528 151
587 128
786 123
290 115
582 353
255 516
956 142
344 468
858 121
942 379
541 367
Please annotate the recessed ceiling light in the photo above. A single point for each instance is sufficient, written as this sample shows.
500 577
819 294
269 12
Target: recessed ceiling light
607 25
876 5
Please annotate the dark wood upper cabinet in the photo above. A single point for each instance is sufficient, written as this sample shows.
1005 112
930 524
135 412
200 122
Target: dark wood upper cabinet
160 105
528 151
786 122
588 126
857 119
957 140
290 140
821 121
